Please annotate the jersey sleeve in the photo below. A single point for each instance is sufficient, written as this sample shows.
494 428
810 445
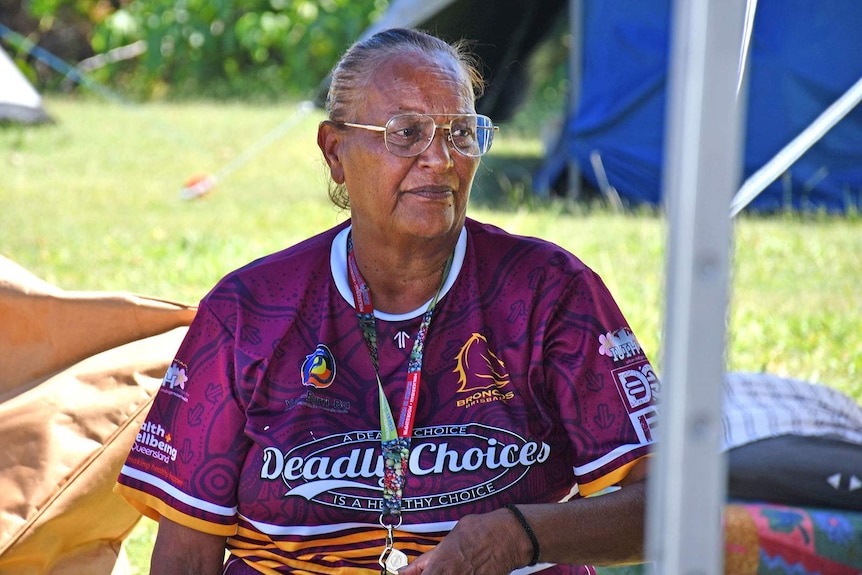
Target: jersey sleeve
185 461
604 383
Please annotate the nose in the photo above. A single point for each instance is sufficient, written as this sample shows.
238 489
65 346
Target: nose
439 151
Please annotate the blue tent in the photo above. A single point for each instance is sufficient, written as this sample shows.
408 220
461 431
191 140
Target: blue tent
803 55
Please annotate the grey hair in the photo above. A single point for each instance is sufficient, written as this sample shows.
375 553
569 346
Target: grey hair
353 74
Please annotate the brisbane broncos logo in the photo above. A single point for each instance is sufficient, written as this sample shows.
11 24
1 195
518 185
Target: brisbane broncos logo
477 360
318 369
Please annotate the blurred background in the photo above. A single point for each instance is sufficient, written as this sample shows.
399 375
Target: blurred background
137 102
586 77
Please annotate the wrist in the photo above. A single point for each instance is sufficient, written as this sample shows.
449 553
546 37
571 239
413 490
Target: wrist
528 531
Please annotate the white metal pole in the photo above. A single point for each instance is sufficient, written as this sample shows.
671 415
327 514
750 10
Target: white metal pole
687 485
785 158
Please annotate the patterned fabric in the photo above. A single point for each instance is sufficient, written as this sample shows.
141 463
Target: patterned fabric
266 427
761 405
763 539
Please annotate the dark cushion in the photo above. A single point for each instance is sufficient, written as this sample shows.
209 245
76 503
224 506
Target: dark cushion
797 470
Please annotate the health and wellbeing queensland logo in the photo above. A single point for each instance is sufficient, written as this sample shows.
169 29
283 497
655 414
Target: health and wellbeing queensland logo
176 380
155 441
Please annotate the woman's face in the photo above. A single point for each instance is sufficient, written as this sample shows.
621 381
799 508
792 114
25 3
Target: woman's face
405 198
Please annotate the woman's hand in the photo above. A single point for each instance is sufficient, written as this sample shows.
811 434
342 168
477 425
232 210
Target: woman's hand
181 550
489 544
603 530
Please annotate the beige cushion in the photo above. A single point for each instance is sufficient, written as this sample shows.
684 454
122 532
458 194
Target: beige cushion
78 371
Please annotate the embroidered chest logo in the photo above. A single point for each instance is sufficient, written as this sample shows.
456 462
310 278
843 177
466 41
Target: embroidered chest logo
318 369
481 374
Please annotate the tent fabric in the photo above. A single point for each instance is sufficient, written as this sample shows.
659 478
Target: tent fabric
77 376
500 32
19 101
803 57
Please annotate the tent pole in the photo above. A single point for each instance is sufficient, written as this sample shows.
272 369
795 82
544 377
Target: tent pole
747 33
688 483
576 49
781 162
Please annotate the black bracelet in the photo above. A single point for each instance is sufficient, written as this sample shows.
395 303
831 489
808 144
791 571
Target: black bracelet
528 530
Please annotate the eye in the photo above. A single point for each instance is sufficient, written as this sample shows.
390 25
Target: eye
404 133
460 131
463 128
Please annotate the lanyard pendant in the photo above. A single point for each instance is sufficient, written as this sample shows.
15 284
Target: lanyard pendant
395 561
391 559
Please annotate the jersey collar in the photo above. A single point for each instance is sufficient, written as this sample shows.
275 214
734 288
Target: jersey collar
338 268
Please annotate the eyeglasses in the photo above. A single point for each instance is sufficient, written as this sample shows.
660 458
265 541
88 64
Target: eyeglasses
408 135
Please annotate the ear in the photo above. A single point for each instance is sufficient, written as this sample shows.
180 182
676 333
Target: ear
329 142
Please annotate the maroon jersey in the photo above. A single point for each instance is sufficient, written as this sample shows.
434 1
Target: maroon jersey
266 428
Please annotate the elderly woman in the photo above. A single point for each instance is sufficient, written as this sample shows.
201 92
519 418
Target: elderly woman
409 387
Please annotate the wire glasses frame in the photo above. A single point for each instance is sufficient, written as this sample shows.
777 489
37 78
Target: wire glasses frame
408 135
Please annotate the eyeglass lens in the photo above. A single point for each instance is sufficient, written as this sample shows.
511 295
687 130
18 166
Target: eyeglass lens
411 134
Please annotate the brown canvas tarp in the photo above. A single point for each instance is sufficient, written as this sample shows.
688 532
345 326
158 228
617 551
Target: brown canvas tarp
78 371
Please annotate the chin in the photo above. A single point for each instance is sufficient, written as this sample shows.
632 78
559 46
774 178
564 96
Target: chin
432 222
428 230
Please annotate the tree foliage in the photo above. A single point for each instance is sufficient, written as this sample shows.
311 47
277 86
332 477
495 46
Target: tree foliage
225 48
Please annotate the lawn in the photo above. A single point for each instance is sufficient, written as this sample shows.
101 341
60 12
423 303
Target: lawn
92 203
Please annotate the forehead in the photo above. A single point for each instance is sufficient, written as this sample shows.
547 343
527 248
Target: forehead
415 82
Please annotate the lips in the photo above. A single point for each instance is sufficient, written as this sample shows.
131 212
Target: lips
432 192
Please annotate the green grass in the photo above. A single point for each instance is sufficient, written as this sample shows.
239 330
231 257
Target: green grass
91 203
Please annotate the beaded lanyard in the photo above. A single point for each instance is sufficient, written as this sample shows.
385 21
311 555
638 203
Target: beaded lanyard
394 439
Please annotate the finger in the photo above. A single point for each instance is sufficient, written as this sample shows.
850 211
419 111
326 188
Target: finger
417 566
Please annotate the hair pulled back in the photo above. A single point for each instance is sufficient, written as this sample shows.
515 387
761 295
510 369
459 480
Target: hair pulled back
353 74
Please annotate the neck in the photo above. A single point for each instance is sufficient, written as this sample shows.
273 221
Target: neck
402 279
